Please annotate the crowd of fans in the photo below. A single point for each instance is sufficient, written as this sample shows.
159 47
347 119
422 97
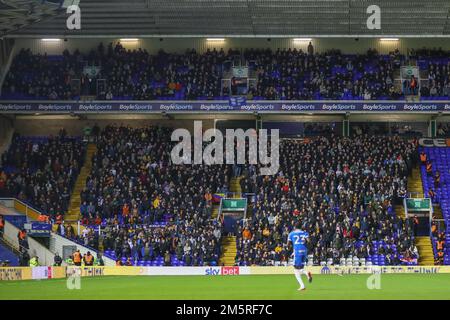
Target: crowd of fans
438 84
342 190
292 74
42 171
122 74
195 241
288 74
134 185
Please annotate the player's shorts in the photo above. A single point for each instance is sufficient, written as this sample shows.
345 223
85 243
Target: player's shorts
299 261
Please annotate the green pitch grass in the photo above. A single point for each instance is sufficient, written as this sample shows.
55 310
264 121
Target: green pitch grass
256 287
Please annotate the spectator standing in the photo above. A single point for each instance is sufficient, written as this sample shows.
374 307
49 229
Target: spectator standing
34 262
77 258
88 259
310 49
99 260
415 225
57 260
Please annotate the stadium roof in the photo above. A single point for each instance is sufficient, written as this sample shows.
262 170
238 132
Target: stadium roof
17 14
245 18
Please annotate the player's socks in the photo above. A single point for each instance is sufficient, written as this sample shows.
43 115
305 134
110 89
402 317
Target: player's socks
299 279
308 274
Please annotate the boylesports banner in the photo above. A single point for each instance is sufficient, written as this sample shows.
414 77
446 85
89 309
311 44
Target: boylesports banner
222 106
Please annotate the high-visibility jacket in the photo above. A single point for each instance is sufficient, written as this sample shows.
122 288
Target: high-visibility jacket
423 157
77 257
88 259
440 245
34 262
429 167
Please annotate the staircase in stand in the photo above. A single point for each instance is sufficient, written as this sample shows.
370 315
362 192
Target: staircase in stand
423 244
73 214
235 187
415 183
437 212
229 242
215 211
228 251
426 256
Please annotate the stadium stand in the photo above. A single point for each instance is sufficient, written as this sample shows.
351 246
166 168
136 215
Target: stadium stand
287 74
147 207
7 257
41 171
344 192
438 158
130 75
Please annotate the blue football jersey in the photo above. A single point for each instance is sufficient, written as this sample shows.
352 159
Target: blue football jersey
298 239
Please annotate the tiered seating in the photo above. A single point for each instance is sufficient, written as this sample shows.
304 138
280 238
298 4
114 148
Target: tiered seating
343 192
42 170
129 75
288 74
7 255
157 205
295 75
440 159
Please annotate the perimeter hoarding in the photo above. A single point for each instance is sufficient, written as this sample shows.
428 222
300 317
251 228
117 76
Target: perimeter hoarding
221 106
234 271
27 273
155 271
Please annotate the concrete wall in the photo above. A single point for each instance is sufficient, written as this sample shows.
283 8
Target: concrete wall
57 243
46 257
347 45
